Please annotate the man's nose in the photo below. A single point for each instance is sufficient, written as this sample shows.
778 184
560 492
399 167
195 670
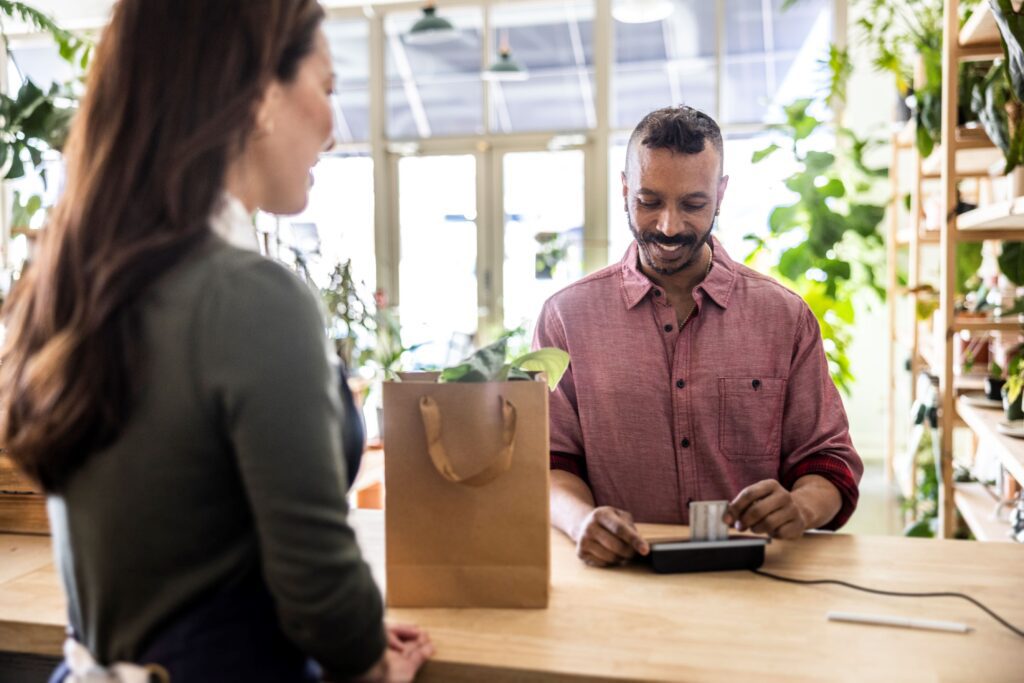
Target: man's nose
670 221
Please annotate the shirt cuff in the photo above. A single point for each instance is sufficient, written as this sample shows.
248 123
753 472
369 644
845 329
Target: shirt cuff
838 474
571 463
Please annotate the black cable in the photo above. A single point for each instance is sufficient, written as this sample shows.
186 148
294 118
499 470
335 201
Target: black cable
898 594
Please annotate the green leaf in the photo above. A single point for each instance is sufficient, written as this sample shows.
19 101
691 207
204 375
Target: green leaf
763 153
819 162
551 361
833 188
968 261
1011 262
783 218
795 262
1011 28
920 529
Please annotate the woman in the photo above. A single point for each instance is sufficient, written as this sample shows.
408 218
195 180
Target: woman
170 388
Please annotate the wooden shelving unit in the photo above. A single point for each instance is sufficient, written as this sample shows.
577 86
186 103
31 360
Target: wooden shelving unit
965 152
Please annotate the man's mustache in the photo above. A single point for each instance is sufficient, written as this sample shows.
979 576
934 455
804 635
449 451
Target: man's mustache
671 240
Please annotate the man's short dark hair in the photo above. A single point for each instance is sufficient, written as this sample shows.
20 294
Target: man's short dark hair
680 128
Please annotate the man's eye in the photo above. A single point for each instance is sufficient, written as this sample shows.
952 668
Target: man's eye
694 207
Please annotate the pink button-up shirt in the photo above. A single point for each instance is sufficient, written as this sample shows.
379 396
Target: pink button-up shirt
652 416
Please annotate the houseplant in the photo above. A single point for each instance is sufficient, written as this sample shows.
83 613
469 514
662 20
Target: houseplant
840 252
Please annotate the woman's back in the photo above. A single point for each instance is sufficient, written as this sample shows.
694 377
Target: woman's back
229 468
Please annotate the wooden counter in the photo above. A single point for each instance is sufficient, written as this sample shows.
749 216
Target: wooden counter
630 624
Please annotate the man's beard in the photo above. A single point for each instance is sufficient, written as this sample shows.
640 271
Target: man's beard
686 240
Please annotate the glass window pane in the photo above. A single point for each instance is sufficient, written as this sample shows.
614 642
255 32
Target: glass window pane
553 42
543 195
349 41
437 269
527 105
434 89
791 28
744 27
338 220
658 64
745 91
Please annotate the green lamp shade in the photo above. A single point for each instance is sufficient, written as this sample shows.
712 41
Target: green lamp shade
505 69
431 29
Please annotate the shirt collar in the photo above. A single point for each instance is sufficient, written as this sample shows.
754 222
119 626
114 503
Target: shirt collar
231 222
717 285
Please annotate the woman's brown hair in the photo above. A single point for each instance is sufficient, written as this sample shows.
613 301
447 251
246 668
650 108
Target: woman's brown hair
171 99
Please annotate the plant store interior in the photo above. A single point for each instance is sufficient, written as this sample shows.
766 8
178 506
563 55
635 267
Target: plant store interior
875 159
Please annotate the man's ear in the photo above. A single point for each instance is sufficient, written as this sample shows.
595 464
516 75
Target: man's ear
722 184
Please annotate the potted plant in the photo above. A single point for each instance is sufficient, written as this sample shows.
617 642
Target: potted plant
1011 391
994 382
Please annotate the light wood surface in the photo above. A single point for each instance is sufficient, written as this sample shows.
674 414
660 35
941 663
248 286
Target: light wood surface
22 506
979 511
628 624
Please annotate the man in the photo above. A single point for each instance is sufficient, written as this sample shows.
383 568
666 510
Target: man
692 377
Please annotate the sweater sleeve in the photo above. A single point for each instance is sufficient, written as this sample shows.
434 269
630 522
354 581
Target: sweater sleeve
267 364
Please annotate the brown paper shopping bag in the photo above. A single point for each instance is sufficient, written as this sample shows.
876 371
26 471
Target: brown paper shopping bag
466 476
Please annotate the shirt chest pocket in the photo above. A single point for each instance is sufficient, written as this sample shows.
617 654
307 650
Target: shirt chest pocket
750 416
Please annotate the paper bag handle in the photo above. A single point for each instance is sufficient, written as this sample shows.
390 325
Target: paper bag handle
431 414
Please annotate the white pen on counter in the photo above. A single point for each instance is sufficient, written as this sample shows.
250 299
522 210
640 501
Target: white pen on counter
902 622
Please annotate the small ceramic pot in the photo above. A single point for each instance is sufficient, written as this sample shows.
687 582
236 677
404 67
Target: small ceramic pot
994 387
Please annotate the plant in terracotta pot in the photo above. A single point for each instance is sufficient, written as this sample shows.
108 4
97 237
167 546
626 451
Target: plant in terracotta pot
1012 390
994 382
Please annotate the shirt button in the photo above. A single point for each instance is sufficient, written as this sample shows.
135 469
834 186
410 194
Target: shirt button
756 383
668 328
685 443
657 292
680 384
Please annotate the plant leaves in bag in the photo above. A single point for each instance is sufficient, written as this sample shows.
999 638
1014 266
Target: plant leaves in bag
488 365
551 361
485 365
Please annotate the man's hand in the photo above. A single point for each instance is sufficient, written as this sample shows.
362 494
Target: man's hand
768 508
607 536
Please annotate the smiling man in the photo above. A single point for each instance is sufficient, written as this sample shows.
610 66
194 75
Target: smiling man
692 376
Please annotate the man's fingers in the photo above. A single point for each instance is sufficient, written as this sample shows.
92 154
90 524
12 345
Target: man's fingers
771 523
615 544
748 497
595 552
760 509
617 522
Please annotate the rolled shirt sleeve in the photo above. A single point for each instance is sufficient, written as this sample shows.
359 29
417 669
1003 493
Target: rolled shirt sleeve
815 431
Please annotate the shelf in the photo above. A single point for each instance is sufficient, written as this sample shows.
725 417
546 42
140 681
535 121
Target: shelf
980 32
975 162
1014 324
977 508
999 220
1008 450
972 138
